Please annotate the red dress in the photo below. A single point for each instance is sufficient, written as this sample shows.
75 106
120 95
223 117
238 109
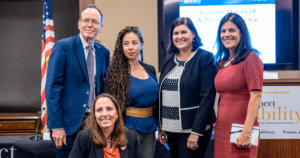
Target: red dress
233 83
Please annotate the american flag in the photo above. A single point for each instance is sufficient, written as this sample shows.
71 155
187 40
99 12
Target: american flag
48 41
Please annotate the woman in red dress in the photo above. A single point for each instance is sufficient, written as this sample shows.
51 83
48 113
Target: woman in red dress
239 82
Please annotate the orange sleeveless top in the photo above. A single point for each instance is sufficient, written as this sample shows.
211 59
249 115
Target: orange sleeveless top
111 154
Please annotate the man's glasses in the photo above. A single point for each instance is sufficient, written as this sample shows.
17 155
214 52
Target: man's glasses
88 21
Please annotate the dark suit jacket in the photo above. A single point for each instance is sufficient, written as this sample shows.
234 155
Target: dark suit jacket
67 85
84 147
197 91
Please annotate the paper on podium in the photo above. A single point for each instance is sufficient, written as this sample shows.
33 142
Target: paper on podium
46 136
239 128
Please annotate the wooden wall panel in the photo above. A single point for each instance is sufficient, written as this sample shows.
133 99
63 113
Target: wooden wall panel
85 3
19 123
279 148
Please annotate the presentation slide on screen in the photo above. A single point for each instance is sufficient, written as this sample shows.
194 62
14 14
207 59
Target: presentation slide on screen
259 17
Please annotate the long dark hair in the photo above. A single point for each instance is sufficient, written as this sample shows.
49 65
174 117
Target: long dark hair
119 68
189 23
117 136
244 47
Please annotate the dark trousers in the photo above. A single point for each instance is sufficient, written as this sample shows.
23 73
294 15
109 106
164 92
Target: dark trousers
178 145
65 151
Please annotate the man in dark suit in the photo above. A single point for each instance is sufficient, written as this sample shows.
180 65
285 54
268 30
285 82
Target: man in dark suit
76 68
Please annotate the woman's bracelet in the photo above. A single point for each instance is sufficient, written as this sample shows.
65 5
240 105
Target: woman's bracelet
248 137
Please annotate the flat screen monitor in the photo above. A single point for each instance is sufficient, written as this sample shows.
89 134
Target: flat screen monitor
272 24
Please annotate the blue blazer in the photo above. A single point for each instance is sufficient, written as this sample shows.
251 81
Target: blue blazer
67 83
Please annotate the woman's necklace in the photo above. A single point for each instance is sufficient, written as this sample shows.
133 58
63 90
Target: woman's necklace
110 145
184 58
187 57
228 62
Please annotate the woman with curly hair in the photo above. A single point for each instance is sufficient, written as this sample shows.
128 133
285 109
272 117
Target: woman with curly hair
135 86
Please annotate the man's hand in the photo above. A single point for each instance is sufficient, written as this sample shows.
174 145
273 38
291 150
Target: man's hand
59 137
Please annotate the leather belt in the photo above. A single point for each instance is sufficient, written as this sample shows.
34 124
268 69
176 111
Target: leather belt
139 112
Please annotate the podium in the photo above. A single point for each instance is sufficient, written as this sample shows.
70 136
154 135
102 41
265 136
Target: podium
280 148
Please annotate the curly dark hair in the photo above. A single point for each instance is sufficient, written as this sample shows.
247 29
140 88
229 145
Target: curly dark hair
119 69
118 134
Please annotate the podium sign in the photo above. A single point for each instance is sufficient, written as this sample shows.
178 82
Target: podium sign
279 112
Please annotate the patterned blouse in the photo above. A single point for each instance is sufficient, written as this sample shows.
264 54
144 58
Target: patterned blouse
171 119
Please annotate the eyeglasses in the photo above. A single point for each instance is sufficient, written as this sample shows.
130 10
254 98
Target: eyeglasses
88 21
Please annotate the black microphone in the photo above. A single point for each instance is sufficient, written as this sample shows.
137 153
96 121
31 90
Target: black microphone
36 137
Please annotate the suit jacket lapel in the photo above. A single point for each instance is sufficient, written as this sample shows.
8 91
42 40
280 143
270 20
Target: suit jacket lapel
123 154
80 56
99 151
99 65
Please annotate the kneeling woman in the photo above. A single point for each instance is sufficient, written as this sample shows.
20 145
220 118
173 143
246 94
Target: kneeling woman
105 134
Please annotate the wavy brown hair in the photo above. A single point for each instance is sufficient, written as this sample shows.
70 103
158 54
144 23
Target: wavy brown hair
118 134
119 68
